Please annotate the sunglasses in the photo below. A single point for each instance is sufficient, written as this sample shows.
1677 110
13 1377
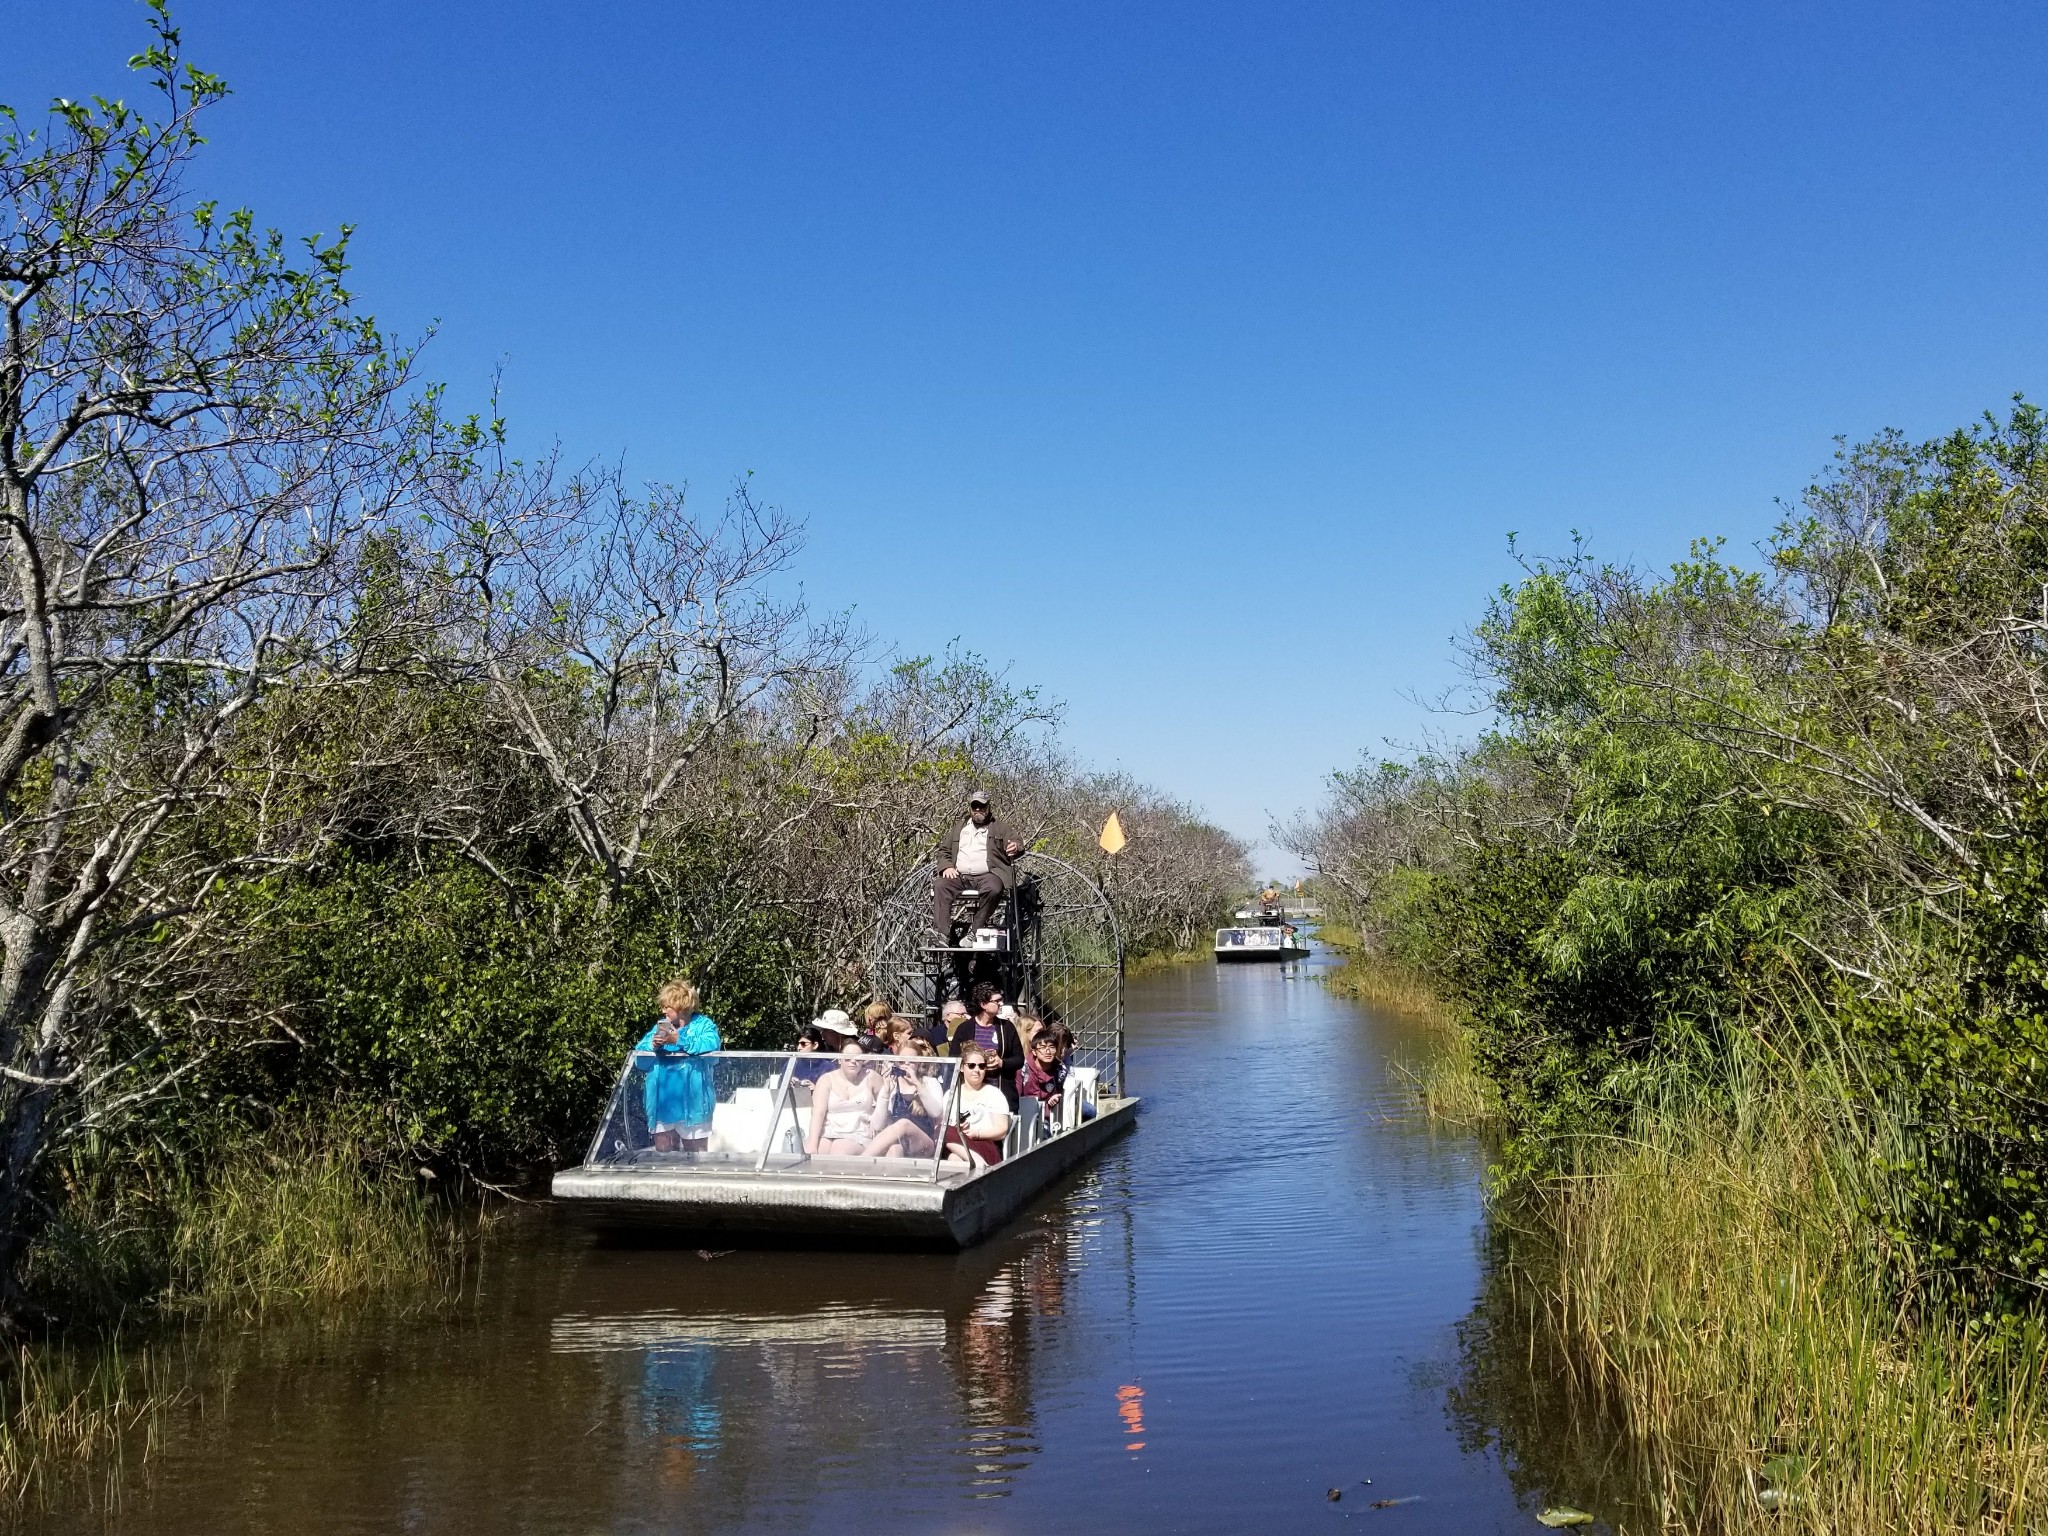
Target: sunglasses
973 1066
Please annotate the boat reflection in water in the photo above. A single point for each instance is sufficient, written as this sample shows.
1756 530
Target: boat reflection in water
928 1384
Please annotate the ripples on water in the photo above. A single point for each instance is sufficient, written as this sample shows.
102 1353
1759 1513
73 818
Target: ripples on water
1249 1301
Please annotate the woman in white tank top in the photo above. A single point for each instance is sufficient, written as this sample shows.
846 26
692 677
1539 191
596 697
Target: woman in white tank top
847 1107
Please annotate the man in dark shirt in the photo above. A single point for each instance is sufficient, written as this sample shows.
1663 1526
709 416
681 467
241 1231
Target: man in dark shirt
996 1035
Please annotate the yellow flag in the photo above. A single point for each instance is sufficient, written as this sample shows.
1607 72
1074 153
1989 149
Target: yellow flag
1112 839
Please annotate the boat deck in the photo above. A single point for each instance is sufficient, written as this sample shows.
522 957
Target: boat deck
849 1197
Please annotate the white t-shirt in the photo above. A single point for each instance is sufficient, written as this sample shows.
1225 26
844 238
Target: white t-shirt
985 1109
973 856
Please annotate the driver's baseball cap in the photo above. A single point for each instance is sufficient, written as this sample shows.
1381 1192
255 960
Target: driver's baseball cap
978 797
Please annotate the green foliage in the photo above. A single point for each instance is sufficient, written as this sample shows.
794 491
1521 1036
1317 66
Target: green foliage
1804 807
472 1022
361 777
1969 1048
1621 896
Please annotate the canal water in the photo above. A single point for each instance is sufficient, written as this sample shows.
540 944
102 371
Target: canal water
1253 1300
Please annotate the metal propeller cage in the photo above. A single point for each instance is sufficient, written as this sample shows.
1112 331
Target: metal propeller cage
1066 957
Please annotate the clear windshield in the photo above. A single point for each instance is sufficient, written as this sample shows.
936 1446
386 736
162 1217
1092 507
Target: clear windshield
775 1109
1250 938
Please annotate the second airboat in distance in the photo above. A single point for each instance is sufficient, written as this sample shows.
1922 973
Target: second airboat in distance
1057 954
1264 932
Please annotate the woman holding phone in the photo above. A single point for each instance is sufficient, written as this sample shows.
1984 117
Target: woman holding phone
679 1097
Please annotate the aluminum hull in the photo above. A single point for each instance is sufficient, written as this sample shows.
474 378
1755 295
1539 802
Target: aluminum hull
832 1199
1248 954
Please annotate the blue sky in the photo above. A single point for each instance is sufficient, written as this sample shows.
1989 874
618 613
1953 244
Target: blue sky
1109 340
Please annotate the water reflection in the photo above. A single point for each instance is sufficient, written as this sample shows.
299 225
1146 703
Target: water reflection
933 1382
1516 1394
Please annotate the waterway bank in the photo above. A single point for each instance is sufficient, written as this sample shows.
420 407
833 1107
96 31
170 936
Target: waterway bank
1452 1088
1700 1328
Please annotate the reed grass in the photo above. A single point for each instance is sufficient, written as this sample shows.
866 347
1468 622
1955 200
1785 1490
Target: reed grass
1163 960
296 1216
71 1408
1452 1088
1380 981
146 1253
302 1220
1716 1294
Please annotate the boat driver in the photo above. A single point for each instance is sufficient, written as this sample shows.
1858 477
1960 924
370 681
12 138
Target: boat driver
979 856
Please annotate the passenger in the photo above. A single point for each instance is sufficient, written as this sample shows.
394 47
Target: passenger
982 1114
998 1036
847 1108
834 1032
1044 1075
919 1103
1065 1039
873 1038
903 1028
979 856
810 1041
838 1028
951 1027
900 1032
679 1093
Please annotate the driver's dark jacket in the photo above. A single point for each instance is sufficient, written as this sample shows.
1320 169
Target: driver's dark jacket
1000 863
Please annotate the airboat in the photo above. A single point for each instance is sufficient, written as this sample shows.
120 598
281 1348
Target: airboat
1056 951
1273 941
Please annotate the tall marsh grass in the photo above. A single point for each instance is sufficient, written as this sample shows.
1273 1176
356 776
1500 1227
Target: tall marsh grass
1452 1088
1165 960
1716 1297
70 1408
1391 986
302 1221
145 1252
292 1217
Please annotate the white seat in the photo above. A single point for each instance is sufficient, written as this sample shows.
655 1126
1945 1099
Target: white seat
1079 1098
1025 1128
739 1127
792 1127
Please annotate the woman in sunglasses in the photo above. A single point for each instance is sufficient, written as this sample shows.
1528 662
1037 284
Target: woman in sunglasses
976 1137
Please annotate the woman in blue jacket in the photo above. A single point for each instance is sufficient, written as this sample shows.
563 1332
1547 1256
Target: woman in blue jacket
680 1094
